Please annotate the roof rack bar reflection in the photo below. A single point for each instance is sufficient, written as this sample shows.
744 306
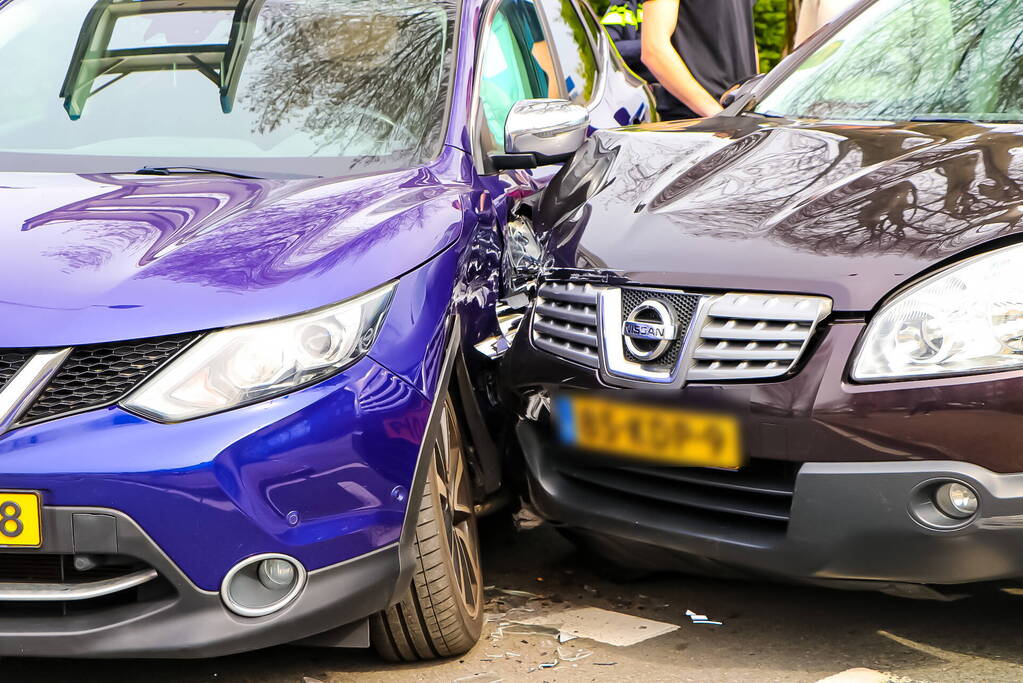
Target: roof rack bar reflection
221 63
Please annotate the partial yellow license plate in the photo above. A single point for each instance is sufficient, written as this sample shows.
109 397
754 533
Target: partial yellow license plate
20 523
661 435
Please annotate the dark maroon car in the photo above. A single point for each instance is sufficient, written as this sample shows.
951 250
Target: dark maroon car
789 339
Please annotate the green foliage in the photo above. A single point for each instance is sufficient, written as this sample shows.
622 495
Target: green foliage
769 21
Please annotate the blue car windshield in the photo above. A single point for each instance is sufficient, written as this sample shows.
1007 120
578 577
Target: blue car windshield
317 87
906 59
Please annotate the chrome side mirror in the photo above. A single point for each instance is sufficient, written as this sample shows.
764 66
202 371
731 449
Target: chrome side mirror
542 131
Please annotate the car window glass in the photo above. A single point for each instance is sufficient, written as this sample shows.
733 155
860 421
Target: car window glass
902 59
516 65
575 52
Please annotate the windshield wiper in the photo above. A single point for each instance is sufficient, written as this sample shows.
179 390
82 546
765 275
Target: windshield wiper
941 119
768 114
172 170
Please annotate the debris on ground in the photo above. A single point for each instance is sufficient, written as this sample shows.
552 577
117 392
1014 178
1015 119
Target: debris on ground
513 593
504 605
574 656
915 591
518 613
701 618
863 675
601 625
527 518
482 677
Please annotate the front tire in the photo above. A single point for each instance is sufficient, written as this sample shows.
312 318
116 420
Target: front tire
441 615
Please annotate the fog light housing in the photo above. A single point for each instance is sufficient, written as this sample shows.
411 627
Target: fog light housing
262 584
957 500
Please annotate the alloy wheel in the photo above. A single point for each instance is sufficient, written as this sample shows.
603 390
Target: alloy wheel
451 481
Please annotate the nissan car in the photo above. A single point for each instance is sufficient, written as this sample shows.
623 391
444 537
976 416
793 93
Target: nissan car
250 268
787 340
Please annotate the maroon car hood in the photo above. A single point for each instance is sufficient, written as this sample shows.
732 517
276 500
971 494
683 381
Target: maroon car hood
850 211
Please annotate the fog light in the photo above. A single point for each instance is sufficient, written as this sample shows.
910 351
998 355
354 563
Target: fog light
956 500
263 584
276 573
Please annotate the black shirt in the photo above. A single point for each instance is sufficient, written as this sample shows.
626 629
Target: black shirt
716 41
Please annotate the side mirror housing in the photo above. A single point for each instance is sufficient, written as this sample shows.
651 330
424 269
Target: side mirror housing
542 131
740 91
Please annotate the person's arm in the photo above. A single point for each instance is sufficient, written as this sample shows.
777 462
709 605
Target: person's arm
809 21
664 61
542 55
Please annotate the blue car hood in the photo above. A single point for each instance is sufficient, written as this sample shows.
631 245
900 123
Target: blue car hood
93 258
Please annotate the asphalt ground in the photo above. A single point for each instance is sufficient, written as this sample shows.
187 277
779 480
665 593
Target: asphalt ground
770 632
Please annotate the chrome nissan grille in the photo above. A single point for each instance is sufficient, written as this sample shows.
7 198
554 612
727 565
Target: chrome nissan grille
733 336
754 336
565 322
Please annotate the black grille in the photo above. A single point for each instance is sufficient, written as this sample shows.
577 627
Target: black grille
683 305
10 362
758 495
93 376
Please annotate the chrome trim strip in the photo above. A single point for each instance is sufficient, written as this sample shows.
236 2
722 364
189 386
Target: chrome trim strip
556 322
772 307
548 310
715 347
489 12
545 326
26 385
57 592
603 54
586 358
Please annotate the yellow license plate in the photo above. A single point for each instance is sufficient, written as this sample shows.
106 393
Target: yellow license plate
20 524
661 435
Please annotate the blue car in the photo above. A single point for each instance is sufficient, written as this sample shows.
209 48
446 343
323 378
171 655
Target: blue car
251 282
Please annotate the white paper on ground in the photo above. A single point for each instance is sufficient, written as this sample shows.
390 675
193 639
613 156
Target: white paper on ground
605 626
861 675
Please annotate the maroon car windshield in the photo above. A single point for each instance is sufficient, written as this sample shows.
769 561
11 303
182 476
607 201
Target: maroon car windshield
208 80
906 59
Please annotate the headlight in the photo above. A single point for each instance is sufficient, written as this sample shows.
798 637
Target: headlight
965 319
242 365
520 263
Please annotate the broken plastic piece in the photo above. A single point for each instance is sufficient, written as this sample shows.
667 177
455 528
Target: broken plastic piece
581 654
526 518
512 592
